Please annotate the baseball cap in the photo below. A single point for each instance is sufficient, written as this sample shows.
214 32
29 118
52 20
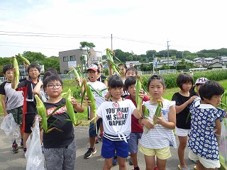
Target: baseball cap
201 80
93 67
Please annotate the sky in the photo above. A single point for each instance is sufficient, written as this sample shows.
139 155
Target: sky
50 26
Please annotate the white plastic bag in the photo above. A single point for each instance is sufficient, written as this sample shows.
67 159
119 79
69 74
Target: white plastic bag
10 127
34 155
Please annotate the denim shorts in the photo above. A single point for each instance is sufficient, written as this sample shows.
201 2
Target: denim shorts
93 128
133 142
112 148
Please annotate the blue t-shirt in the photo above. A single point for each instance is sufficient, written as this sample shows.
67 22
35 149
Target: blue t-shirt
202 139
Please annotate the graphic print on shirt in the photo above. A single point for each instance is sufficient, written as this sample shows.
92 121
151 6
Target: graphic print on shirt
116 116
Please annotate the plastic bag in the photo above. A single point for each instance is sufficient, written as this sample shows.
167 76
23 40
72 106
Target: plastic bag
223 143
10 127
34 155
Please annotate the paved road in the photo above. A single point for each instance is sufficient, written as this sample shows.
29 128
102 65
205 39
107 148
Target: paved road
10 161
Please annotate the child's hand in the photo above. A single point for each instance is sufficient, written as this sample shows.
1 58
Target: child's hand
191 99
147 123
141 93
159 120
73 101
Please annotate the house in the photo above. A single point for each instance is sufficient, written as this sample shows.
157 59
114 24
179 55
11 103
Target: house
77 57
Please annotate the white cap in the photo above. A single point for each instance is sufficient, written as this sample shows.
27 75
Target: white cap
201 80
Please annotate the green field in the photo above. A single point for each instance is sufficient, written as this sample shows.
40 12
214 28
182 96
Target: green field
168 93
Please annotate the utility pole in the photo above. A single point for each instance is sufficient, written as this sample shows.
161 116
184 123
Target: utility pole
168 53
111 41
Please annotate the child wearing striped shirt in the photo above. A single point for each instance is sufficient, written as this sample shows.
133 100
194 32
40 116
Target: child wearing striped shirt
156 142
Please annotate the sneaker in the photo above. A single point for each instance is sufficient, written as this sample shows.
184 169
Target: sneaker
130 161
90 152
15 147
21 144
114 161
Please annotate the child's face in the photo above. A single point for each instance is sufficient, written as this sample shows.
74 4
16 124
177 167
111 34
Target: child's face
92 75
116 92
122 70
33 73
156 89
132 90
130 73
214 101
186 86
54 89
9 75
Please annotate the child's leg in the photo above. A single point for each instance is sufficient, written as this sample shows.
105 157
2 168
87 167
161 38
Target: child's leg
107 164
161 164
181 150
121 163
162 155
150 162
69 157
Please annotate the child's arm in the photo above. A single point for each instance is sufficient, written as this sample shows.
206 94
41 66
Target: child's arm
3 104
37 88
171 123
218 129
147 123
185 104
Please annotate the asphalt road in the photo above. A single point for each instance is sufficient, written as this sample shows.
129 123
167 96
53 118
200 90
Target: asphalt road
10 161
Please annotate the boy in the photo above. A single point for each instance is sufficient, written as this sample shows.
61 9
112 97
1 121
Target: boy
11 100
93 74
29 105
59 143
116 115
136 128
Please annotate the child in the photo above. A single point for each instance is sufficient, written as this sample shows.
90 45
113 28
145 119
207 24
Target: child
93 73
122 70
136 128
200 81
183 100
11 100
116 115
206 127
131 71
156 142
29 106
59 144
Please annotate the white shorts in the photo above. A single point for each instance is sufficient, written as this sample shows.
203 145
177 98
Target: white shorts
181 132
207 163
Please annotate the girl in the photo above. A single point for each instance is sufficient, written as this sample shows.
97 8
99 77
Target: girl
156 142
116 115
206 127
200 81
183 100
122 69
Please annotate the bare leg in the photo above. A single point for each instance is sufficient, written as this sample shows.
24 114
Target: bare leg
181 149
107 164
161 164
121 163
150 162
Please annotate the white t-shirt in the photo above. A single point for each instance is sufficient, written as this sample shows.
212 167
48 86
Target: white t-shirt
99 88
159 136
116 118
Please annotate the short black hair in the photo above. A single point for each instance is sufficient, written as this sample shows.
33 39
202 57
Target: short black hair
183 78
209 89
6 68
34 65
156 77
122 64
130 81
131 69
51 78
115 81
49 72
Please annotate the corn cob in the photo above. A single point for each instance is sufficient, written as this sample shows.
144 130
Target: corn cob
138 98
16 72
158 112
91 97
70 109
24 59
146 115
77 76
109 55
41 109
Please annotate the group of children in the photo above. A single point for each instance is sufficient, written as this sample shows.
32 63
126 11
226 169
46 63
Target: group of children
194 114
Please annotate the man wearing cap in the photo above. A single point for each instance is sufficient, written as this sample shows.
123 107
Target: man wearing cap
99 90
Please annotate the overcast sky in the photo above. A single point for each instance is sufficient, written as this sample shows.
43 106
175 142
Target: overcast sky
50 26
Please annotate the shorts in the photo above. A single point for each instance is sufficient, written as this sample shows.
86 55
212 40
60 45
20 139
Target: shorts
133 142
17 114
181 132
93 128
163 153
112 148
28 122
207 163
60 158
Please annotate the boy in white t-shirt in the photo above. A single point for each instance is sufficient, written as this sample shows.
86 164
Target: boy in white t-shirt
116 116
99 89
